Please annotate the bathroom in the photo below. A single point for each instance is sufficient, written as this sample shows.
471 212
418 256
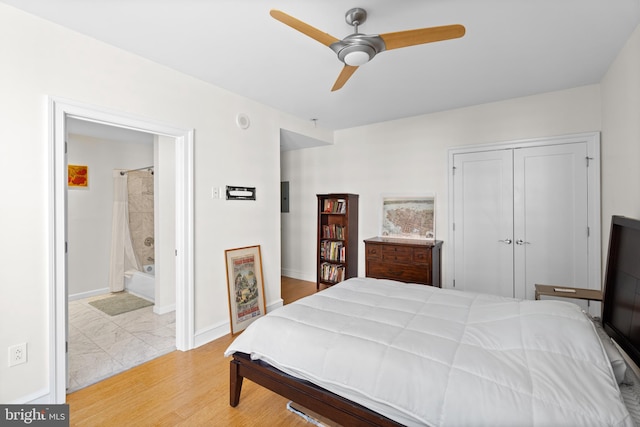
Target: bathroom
106 151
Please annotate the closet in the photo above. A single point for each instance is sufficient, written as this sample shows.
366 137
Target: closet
523 213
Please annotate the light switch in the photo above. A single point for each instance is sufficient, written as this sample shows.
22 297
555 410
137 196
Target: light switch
216 192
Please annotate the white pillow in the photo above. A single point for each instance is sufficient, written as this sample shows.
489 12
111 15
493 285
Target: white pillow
617 361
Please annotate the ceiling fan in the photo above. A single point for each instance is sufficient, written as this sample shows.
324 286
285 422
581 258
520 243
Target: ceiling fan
358 49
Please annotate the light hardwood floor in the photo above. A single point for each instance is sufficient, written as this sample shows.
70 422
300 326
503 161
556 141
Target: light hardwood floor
184 389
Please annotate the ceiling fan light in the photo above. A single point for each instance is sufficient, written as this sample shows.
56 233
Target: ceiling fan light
356 58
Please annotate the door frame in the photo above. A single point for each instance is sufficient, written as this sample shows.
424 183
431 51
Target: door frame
58 110
592 139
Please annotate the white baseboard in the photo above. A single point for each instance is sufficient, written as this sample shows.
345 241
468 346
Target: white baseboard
88 294
294 274
207 335
279 303
40 397
164 309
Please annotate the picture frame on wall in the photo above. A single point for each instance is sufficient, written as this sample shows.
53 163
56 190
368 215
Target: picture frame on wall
245 286
77 176
409 217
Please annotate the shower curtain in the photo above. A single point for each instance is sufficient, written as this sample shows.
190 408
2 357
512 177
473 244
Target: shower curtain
123 257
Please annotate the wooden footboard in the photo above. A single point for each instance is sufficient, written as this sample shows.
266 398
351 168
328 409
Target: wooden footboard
302 392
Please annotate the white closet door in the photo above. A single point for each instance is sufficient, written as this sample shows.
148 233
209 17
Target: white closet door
550 217
483 221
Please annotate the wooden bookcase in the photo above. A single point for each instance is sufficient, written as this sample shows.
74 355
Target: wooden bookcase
337 244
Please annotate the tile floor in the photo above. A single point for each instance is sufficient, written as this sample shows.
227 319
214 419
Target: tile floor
101 345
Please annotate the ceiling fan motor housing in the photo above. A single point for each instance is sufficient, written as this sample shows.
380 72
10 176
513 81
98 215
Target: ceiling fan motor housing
358 49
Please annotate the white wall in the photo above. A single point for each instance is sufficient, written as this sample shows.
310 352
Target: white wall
409 156
621 137
40 59
90 209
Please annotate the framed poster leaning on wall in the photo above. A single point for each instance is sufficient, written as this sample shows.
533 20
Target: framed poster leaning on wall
245 286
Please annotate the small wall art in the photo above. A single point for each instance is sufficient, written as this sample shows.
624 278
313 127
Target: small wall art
78 176
245 286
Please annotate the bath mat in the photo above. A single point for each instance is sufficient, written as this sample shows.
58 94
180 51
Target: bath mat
120 303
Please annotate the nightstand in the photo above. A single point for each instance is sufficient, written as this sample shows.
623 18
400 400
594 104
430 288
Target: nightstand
568 292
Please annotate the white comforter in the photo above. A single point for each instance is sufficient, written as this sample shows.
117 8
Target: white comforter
427 356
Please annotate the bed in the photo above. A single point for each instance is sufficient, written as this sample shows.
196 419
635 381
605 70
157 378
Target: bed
379 352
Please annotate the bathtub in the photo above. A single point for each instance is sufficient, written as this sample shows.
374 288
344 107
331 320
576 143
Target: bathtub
141 283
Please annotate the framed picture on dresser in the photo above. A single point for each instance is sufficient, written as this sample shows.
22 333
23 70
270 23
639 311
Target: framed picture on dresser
407 216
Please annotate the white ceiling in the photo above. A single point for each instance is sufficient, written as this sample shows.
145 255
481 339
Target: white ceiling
511 48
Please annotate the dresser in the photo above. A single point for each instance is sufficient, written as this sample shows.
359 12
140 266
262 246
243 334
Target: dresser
405 260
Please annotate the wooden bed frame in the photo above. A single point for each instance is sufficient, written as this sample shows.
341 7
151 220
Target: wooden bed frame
317 399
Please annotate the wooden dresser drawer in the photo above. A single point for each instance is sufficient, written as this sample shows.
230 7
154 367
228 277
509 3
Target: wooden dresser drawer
397 253
422 255
400 272
373 251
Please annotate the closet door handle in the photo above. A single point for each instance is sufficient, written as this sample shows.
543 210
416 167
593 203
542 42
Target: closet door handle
507 241
522 242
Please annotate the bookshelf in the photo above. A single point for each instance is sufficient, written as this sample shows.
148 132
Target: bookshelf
337 245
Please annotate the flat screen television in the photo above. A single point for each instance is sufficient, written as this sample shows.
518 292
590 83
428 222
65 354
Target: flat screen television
621 305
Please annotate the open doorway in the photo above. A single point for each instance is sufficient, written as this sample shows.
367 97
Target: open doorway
301 206
118 317
182 141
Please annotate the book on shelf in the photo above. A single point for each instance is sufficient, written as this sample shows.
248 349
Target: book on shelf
333 231
332 272
332 251
334 206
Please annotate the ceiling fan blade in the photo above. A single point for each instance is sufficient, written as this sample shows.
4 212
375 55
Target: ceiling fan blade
304 28
345 74
423 35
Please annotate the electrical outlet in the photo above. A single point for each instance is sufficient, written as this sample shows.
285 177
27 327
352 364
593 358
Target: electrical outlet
18 354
